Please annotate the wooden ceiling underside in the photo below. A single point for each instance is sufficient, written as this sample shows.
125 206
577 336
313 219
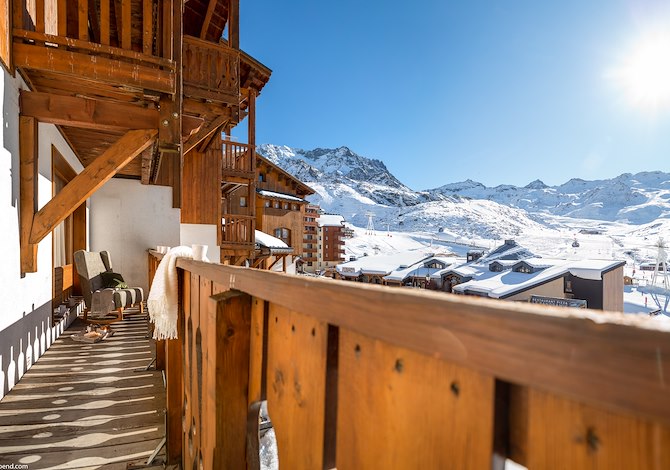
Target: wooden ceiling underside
88 144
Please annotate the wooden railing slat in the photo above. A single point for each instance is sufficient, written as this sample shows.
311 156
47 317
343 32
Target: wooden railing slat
104 21
126 25
39 16
563 433
82 9
401 409
147 26
296 372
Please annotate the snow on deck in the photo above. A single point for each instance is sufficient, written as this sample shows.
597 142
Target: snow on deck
270 242
275 195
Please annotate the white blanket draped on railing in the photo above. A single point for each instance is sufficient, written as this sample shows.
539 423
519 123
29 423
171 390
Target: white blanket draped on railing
162 302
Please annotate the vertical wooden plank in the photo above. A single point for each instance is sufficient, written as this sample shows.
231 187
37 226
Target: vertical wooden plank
78 238
563 433
28 190
257 377
232 325
126 25
17 17
167 29
174 373
82 9
147 26
39 16
406 410
192 422
296 371
256 350
234 24
104 21
61 6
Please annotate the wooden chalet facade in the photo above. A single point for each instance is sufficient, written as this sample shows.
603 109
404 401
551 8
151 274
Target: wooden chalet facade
280 204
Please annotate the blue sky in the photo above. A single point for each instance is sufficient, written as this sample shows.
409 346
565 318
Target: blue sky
502 92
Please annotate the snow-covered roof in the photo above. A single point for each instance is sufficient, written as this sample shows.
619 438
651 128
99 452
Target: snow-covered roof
381 264
462 270
510 250
330 220
272 194
507 263
504 284
418 269
541 262
273 243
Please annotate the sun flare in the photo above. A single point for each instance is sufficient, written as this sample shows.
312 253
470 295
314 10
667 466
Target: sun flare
644 72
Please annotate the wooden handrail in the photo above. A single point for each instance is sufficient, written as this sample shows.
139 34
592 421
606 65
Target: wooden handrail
427 374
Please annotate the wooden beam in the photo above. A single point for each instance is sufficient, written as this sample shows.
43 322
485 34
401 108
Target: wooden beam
204 132
234 24
147 161
27 191
87 113
89 181
112 71
208 19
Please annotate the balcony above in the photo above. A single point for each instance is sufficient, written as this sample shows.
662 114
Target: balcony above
134 55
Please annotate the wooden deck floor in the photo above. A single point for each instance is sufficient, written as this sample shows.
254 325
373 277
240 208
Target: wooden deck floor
86 406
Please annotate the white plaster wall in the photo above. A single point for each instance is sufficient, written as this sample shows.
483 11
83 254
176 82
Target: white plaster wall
202 234
25 301
127 218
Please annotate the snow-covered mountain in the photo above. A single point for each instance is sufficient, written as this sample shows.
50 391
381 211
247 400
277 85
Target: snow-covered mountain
635 199
354 186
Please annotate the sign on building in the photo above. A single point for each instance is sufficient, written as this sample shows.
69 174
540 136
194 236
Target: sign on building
557 301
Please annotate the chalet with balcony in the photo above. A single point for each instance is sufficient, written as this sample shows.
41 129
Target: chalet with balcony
276 207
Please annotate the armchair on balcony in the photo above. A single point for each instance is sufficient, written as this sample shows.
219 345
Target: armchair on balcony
104 291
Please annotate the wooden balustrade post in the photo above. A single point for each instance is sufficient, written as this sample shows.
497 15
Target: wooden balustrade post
225 380
174 374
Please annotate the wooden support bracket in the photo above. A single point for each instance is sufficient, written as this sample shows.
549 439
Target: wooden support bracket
89 181
28 190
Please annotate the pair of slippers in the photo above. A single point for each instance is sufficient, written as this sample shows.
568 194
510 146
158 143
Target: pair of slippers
93 334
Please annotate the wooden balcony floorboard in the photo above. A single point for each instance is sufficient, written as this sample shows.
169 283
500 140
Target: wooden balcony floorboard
87 405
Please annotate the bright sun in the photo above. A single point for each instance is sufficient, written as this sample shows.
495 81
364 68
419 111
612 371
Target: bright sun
644 72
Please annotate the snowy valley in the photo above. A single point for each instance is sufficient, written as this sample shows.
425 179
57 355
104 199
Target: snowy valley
620 217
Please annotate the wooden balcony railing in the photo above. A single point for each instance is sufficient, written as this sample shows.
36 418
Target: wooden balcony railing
237 230
360 376
211 71
237 161
117 41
